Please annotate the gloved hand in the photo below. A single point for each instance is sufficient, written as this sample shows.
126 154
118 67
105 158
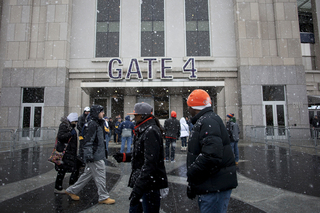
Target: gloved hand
190 193
134 198
89 160
119 157
73 132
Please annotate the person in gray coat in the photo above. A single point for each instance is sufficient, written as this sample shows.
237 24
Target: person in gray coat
93 155
233 131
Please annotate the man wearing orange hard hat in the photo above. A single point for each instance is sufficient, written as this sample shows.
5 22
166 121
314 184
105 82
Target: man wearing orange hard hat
211 169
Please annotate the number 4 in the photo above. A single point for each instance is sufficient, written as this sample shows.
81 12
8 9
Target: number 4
189 67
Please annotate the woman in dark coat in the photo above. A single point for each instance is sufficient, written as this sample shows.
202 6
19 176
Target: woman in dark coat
67 135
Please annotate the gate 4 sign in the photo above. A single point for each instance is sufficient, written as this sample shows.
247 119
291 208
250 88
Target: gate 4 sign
134 68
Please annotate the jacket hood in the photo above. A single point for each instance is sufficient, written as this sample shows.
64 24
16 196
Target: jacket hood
127 118
95 110
183 120
65 120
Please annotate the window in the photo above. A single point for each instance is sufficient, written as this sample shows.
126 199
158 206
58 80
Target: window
33 95
305 21
273 93
197 28
108 22
152 28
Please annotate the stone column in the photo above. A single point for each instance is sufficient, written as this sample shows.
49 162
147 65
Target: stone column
176 105
221 108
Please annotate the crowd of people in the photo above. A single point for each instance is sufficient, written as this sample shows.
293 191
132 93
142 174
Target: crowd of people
212 153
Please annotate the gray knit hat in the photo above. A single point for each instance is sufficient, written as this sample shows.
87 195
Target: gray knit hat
141 109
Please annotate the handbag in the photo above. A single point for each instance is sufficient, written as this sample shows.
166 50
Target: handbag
126 132
56 156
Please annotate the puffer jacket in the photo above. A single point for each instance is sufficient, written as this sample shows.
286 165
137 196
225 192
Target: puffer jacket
93 148
210 160
172 128
70 157
147 159
184 128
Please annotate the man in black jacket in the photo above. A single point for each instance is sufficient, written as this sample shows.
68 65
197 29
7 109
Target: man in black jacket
93 155
315 126
172 131
211 169
148 174
82 119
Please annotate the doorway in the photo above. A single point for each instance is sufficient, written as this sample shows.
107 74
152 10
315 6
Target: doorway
32 112
31 120
275 119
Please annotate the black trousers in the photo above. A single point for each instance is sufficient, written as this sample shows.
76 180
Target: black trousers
62 172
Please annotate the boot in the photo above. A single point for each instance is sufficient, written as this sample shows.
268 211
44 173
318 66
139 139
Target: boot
107 201
73 196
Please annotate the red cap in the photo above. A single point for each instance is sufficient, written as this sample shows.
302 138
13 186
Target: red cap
173 114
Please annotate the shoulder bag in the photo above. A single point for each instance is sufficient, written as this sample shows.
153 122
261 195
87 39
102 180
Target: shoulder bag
56 156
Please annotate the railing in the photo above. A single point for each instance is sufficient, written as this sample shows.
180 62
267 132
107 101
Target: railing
11 139
292 136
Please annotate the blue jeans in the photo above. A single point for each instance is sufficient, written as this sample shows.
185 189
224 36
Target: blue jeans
123 143
216 202
150 203
184 141
235 150
172 142
107 141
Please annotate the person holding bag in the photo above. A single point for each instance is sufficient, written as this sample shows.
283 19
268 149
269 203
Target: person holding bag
126 129
68 140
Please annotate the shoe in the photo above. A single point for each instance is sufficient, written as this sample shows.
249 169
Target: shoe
62 191
107 201
237 163
173 161
73 196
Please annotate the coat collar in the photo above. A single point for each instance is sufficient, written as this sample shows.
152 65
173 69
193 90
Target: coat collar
142 126
202 112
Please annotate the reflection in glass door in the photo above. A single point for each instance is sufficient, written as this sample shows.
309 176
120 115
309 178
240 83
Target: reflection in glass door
275 119
269 119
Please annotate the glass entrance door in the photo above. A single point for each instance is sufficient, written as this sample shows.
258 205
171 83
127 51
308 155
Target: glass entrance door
275 119
31 120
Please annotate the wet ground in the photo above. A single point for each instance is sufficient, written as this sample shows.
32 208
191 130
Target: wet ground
275 173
